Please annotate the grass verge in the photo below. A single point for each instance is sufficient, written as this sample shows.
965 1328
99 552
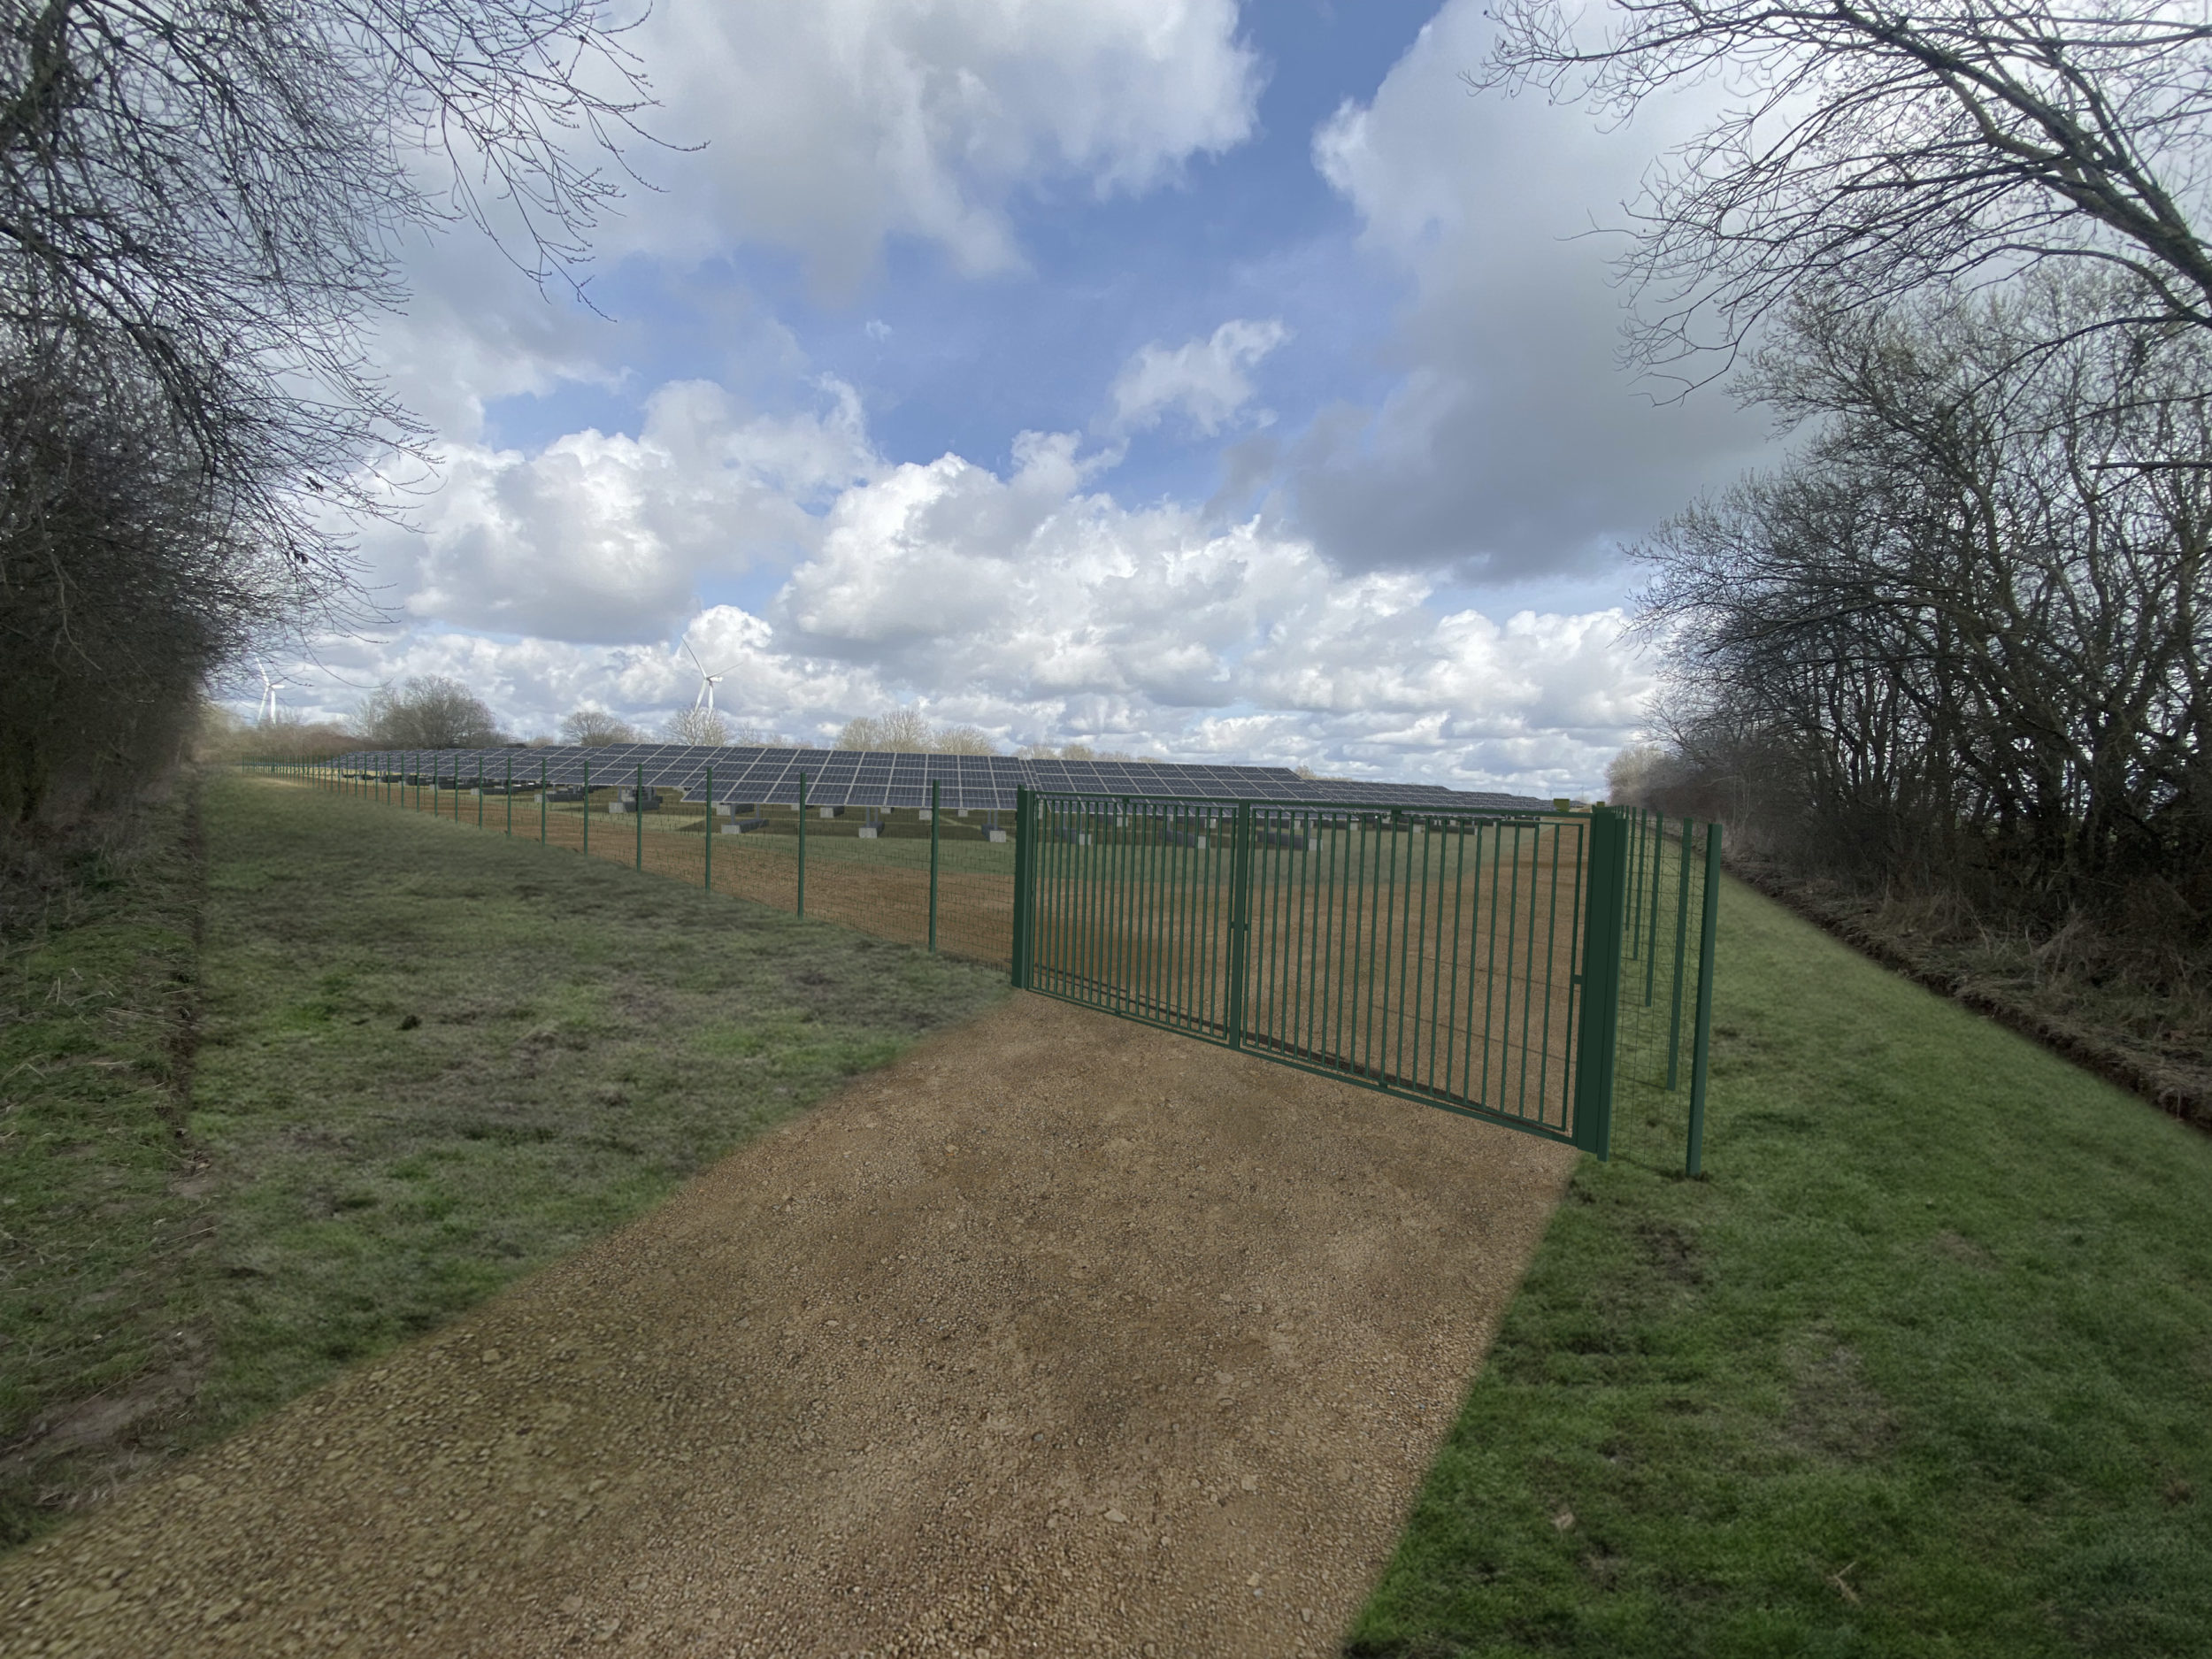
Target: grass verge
430 1061
100 1221
1925 1367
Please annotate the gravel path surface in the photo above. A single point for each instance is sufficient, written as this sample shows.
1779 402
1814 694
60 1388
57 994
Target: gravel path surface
1059 1336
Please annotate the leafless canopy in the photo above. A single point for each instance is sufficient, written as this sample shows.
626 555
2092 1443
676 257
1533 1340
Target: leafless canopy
1963 639
215 195
1873 151
429 711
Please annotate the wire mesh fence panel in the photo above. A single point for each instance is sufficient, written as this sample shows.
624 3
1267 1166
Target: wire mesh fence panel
1508 965
1432 956
1660 957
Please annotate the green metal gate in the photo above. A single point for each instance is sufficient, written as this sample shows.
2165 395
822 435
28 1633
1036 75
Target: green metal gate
1467 961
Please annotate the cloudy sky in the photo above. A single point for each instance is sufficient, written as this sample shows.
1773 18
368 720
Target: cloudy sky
1183 378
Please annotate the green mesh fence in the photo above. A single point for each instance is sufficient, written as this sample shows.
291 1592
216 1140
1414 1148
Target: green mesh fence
1517 968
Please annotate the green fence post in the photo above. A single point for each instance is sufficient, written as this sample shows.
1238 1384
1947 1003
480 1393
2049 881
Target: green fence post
588 804
802 843
541 795
936 794
710 828
1681 949
1701 1044
511 797
1608 887
479 790
1658 879
1239 918
637 810
1025 864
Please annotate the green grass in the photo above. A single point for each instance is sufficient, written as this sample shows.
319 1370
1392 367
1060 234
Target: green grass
1925 1367
431 1060
97 1216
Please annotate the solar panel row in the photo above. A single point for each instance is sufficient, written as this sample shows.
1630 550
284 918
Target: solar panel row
847 778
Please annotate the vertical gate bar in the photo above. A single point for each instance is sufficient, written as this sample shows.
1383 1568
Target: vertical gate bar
1196 936
1551 970
1090 899
1077 874
1061 852
1127 897
1021 920
1408 1069
936 811
1421 976
801 907
1371 915
1270 849
1575 931
1113 889
1025 908
1308 830
1658 877
1528 987
587 806
1608 861
637 811
1101 902
1635 879
1143 848
1041 917
1511 914
1056 854
1395 938
1140 908
1239 918
511 797
1681 951
1472 1086
1448 998
1272 930
1701 1044
711 829
1205 944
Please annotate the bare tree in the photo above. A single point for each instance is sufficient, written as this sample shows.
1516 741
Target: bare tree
897 730
1871 150
202 210
429 711
1961 639
963 740
699 726
594 728
215 196
122 580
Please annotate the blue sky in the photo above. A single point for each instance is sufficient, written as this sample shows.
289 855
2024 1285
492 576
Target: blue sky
1163 374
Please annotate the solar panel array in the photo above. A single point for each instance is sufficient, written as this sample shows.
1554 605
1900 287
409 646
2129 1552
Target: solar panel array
848 777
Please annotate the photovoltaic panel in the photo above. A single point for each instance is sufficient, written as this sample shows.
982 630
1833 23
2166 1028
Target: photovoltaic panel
753 776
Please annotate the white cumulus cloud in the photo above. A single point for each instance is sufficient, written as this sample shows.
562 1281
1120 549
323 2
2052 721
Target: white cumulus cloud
832 124
1207 381
601 537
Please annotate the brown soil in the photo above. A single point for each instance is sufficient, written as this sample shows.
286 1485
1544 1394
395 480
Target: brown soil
1062 1335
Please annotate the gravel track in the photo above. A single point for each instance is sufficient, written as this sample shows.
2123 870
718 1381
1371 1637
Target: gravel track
1060 1336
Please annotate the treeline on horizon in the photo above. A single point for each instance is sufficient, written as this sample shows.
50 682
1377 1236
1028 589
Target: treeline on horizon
1957 643
435 711
1943 670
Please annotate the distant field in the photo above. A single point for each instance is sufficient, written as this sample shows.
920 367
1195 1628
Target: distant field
1924 1368
430 1061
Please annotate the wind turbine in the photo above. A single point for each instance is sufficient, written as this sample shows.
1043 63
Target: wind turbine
269 688
707 682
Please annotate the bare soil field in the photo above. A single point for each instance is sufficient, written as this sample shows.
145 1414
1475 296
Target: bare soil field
1060 1335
